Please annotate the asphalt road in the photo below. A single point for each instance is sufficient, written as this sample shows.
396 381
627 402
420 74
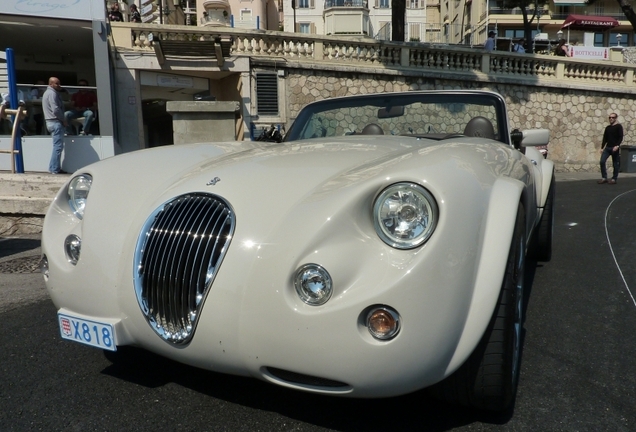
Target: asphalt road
578 371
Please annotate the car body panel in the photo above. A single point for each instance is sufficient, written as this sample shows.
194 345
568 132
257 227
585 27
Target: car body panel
309 202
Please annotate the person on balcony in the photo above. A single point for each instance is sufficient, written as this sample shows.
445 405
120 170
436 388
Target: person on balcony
489 45
518 47
115 14
135 16
83 104
561 49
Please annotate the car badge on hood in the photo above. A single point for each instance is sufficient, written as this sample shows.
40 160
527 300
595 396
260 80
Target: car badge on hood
214 181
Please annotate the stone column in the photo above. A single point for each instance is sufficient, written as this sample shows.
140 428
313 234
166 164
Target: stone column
202 121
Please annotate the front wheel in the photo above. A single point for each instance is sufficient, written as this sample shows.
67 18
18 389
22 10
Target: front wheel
542 241
488 379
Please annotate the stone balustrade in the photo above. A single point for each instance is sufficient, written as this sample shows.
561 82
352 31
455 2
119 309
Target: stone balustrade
361 52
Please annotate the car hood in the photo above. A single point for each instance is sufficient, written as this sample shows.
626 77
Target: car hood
276 175
271 179
303 189
285 172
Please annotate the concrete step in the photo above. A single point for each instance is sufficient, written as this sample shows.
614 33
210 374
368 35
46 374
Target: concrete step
31 185
24 200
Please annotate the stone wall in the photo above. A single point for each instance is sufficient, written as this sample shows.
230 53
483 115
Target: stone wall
576 118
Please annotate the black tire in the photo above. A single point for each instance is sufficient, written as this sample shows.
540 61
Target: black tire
542 247
488 379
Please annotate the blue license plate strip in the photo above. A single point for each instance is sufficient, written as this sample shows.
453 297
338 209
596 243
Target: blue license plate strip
88 332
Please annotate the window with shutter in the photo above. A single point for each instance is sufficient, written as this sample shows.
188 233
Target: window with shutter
266 93
414 32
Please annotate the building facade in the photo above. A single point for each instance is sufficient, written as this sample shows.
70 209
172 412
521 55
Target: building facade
602 24
371 18
248 14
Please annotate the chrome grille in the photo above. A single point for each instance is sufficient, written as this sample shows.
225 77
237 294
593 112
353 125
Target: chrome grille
178 254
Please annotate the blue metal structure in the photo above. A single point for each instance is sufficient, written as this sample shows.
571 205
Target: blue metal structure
13 101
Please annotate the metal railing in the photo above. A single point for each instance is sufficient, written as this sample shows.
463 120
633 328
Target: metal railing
516 11
618 16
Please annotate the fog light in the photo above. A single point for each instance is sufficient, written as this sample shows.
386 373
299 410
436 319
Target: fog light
72 247
313 284
383 323
44 267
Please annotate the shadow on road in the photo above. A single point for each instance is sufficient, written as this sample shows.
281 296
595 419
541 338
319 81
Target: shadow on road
14 246
416 411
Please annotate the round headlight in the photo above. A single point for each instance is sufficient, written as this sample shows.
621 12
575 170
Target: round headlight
313 284
78 189
405 215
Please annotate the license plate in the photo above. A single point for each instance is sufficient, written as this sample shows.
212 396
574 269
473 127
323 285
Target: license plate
94 333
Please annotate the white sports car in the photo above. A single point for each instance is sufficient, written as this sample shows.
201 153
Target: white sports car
378 250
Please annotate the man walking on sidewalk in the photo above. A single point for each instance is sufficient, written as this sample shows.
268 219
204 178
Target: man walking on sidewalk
612 139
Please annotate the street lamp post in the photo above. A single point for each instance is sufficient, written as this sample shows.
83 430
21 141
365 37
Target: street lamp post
534 39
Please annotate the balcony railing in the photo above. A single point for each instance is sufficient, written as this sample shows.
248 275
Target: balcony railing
346 3
545 13
215 19
620 17
515 11
367 53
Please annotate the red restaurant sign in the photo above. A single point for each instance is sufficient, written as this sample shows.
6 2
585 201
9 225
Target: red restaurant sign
588 22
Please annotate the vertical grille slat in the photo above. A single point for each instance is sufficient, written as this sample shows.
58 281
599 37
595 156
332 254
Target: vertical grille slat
200 231
197 267
178 254
162 313
156 294
201 275
181 266
182 225
148 269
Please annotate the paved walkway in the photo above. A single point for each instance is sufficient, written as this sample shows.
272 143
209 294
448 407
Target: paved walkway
574 176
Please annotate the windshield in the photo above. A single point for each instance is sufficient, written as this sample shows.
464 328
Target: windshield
433 115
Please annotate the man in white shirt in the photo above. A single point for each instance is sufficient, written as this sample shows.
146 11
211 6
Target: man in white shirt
518 48
489 45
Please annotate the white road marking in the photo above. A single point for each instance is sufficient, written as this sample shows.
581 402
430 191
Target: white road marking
612 249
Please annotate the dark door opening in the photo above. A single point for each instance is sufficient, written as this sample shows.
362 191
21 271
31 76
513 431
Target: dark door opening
157 123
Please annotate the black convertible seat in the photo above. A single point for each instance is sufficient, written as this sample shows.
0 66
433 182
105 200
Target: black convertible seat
480 127
372 129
